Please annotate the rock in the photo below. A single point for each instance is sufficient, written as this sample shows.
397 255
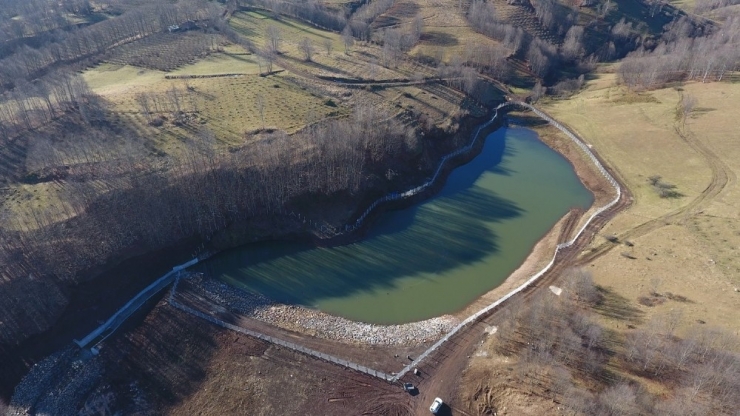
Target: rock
319 323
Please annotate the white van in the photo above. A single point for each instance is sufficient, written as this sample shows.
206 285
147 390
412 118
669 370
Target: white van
436 405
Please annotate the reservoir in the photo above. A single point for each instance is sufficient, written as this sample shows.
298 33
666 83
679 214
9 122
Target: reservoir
430 259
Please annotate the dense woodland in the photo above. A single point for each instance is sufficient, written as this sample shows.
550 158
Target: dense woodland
123 197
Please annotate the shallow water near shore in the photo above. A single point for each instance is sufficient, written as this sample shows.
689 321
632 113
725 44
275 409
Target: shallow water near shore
430 259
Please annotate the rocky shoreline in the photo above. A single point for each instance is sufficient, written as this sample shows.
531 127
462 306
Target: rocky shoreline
317 323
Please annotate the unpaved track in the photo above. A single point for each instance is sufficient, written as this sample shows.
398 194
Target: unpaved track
721 176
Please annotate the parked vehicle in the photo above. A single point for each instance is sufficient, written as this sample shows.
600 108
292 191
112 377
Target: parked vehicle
436 405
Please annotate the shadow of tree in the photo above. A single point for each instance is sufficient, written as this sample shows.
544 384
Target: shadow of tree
616 306
439 38
428 238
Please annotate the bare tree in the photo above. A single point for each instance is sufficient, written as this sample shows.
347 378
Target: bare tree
274 37
306 46
470 79
618 400
572 47
143 100
538 92
260 103
417 26
328 45
269 59
685 107
540 55
348 39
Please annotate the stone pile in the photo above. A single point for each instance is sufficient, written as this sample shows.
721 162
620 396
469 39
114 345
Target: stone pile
57 385
319 323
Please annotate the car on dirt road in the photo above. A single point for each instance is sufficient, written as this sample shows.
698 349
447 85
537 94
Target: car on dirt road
436 405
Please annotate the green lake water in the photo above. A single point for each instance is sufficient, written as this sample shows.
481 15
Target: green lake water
430 259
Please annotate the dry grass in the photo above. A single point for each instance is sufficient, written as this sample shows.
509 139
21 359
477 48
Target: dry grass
685 5
446 32
695 254
690 260
20 200
253 25
225 105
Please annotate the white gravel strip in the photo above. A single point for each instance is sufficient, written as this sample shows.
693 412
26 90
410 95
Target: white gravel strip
319 323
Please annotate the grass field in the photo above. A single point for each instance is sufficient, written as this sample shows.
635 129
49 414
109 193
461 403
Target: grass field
686 249
446 32
690 243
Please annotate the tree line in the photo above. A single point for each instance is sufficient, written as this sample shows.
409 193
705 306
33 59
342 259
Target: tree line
34 104
27 18
28 63
686 51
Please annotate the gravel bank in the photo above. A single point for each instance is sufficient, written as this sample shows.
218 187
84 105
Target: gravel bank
318 323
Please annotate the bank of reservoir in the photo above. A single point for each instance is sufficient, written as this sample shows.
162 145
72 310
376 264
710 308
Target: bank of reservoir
430 259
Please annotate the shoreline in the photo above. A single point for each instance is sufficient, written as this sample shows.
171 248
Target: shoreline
113 283
336 329
314 322
546 244
545 247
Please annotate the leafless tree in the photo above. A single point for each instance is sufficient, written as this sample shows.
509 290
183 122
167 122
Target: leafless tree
143 100
540 57
328 45
538 92
686 106
306 46
268 58
622 30
347 39
618 400
581 285
274 37
417 27
470 79
572 47
260 104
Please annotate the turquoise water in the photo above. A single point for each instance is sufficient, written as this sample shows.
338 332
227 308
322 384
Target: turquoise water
432 258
